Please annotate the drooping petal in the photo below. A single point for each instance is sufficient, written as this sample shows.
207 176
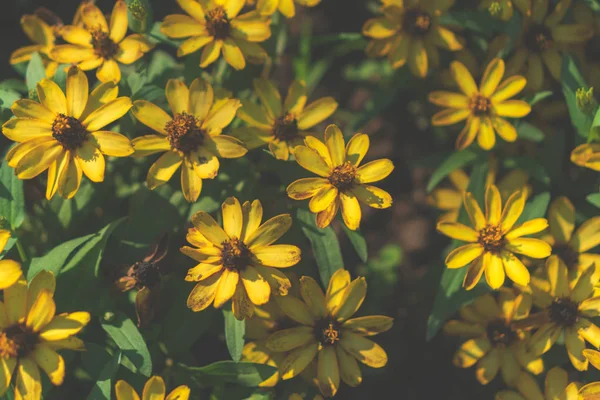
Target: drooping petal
50 362
227 286
29 382
494 270
328 372
515 269
257 288
203 294
297 360
91 161
163 169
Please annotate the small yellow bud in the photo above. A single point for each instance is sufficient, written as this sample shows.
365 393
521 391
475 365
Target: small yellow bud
586 101
495 9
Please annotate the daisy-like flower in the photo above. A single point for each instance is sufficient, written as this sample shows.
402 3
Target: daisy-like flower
556 387
63 133
587 155
44 37
409 30
503 9
494 240
341 183
541 41
495 345
285 7
192 136
31 333
329 334
567 312
282 125
216 26
483 107
239 261
154 389
98 44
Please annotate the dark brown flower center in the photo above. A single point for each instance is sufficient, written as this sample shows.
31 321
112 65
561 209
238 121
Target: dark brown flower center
327 331
69 132
235 254
538 38
417 22
342 176
146 273
217 23
567 255
498 332
564 311
184 133
491 238
286 128
103 45
592 49
480 104
17 341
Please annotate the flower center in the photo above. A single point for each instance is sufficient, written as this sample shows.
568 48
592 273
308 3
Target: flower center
564 312
235 254
342 176
491 238
592 49
567 255
498 332
327 331
286 128
417 22
146 273
538 38
184 133
480 104
69 132
217 23
17 341
103 45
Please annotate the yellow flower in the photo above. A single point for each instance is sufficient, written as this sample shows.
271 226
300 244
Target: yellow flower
329 334
216 26
44 37
285 7
98 44
503 9
342 183
495 345
282 125
557 386
482 107
238 262
587 155
154 389
10 272
62 133
410 31
567 312
494 240
590 391
191 137
31 333
541 41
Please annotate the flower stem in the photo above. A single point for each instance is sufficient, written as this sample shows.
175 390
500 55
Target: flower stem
21 250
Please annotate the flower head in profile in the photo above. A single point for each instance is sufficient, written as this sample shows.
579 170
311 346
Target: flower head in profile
31 333
283 125
101 45
216 27
504 9
485 107
329 333
191 138
410 31
556 386
567 312
239 261
63 133
542 40
285 7
342 183
154 389
494 344
44 36
494 239
587 155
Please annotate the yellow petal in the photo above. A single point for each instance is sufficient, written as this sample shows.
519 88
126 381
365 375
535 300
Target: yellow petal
149 144
471 351
338 284
561 216
296 98
310 160
70 178
295 309
449 99
72 53
7 366
123 391
77 92
109 71
181 26
10 272
504 129
191 183
107 113
375 171
232 217
50 362
474 274
512 108
25 108
51 96
255 116
241 306
316 112
323 198
193 8
203 293
257 287
226 146
297 360
463 78
209 228
210 53
354 296
590 391
29 382
475 214
334 139
369 326
38 159
192 45
118 21
201 271
42 311
253 213
486 138
372 196
306 187
349 369
446 39
585 285
328 372
233 54
25 129
112 143
544 338
494 270
270 231
487 368
357 148
450 116
92 16
458 231
512 209
91 161
379 28
181 392
313 296
325 217
529 247
463 255
178 96
102 94
227 286
587 236
269 97
418 61
364 350
527 228
351 212
289 339
219 117
163 169
493 205
575 345
508 88
278 255
491 77
515 269
65 325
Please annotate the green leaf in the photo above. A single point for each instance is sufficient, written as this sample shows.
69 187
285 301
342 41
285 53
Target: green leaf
234 334
456 160
358 242
35 71
537 97
530 132
139 15
478 21
103 386
221 372
7 98
128 338
594 199
535 208
57 258
12 201
325 245
450 295
572 79
593 4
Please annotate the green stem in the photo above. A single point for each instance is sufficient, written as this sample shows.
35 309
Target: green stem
21 250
